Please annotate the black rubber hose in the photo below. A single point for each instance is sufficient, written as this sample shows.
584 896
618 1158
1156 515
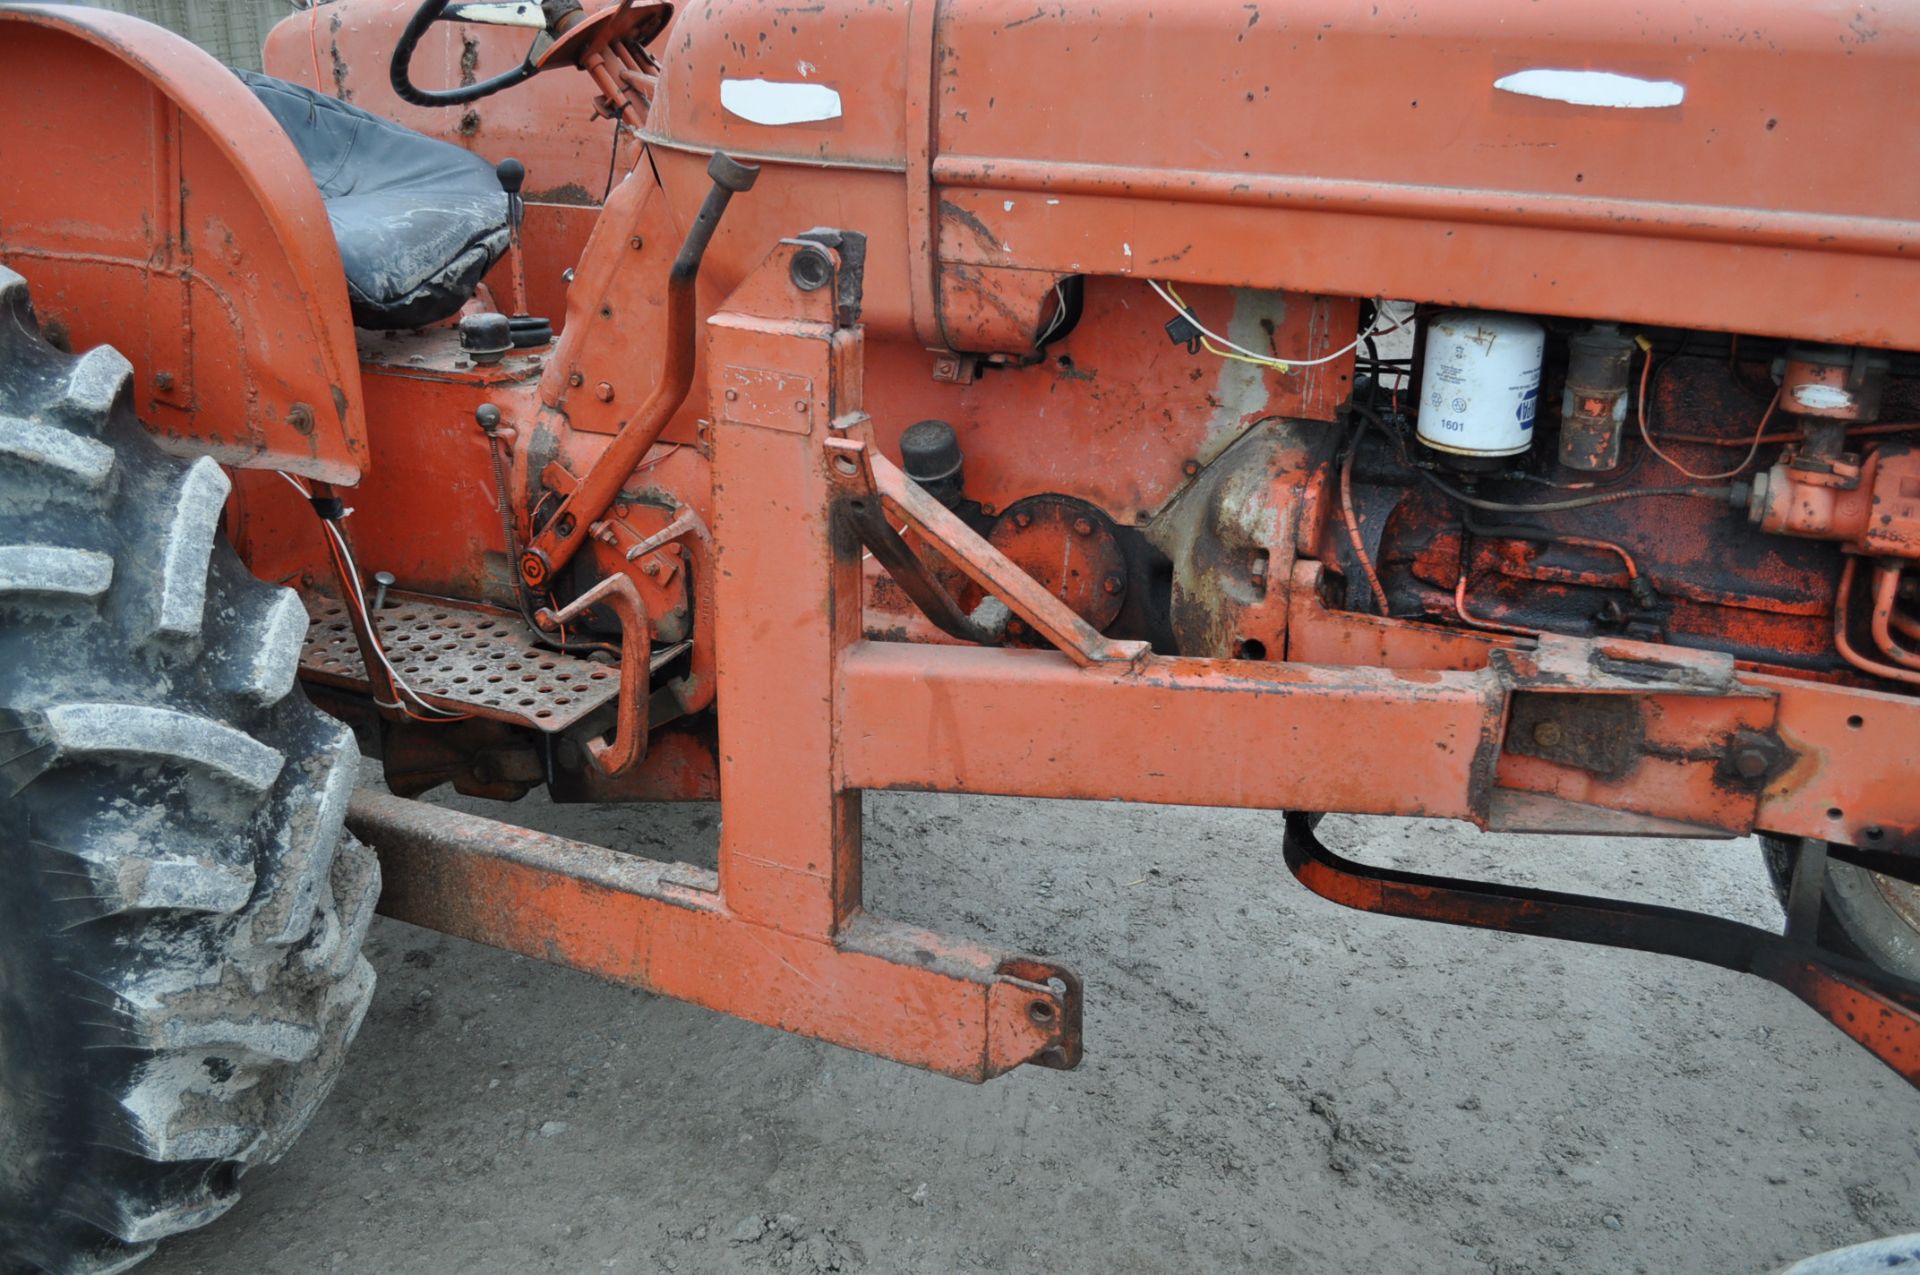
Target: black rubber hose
1577 502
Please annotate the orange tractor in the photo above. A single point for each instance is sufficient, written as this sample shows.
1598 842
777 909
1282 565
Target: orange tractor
1505 415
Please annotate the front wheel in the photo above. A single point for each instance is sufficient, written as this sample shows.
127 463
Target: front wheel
1861 913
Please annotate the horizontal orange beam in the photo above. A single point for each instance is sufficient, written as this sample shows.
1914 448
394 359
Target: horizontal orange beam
878 986
1187 732
1361 740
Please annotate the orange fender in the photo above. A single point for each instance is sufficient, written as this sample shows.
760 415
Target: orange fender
153 203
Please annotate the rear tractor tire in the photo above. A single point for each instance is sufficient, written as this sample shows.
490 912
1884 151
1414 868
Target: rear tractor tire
181 913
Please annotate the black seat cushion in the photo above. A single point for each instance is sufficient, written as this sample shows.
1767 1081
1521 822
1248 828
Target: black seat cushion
418 220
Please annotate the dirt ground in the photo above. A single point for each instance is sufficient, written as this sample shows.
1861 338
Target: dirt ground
1271 1083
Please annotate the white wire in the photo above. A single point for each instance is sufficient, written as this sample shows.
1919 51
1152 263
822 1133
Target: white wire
358 602
373 629
1268 359
354 599
1059 314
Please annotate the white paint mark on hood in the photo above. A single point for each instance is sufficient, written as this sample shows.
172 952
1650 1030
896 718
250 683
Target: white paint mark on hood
1594 88
499 13
780 101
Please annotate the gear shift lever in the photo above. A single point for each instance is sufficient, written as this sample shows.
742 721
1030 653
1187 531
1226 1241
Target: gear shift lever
512 175
527 330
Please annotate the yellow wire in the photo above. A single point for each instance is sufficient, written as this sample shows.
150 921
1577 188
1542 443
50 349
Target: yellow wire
1206 342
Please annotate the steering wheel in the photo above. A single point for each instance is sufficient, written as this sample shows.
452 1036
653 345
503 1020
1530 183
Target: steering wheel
400 72
565 34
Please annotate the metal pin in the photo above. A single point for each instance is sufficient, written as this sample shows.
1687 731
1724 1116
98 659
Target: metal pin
382 581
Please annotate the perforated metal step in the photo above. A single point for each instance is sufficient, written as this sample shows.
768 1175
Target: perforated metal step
472 659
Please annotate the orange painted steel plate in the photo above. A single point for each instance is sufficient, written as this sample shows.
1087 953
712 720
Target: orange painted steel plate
153 203
1660 165
1856 755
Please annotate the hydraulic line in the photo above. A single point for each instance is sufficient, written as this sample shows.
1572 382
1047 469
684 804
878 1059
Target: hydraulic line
1886 602
1637 583
1844 644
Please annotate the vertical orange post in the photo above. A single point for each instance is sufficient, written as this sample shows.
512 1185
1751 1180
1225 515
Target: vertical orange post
789 837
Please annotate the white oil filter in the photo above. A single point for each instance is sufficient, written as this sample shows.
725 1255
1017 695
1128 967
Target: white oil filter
1481 383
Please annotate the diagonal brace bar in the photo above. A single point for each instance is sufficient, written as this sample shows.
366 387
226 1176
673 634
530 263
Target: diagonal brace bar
992 570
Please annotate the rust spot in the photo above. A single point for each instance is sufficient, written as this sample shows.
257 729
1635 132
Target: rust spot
340 89
572 194
1603 734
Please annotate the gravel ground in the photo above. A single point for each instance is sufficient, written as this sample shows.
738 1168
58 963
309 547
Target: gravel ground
1271 1083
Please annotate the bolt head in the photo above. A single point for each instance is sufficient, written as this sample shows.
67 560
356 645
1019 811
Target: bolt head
1111 584
649 568
576 380
604 392
1548 734
1023 520
1750 763
1083 526
1190 468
